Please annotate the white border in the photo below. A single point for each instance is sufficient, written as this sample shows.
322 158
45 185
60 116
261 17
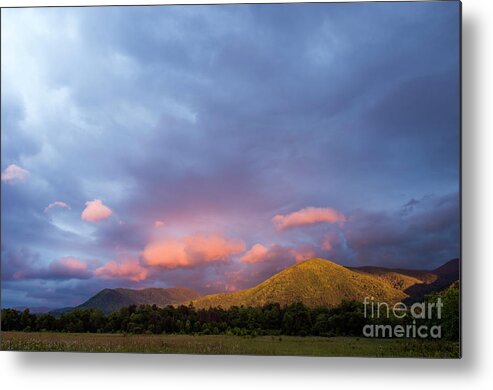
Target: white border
475 370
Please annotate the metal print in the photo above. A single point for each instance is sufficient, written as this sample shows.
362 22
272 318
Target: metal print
268 179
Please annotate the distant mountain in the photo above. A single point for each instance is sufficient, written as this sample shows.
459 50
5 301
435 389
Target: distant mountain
60 311
450 270
109 300
397 278
34 309
417 283
445 276
315 282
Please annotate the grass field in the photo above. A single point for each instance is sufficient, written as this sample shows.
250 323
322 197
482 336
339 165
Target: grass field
265 345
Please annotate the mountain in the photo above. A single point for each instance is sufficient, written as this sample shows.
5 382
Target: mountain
446 274
34 309
396 278
416 283
58 312
109 300
315 282
449 271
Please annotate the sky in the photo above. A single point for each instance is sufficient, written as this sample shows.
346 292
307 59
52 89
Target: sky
210 147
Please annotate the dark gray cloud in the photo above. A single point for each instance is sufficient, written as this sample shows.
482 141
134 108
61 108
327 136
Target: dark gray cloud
423 237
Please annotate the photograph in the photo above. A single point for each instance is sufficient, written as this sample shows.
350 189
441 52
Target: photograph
232 179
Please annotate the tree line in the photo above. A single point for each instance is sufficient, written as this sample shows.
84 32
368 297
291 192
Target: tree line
272 319
295 319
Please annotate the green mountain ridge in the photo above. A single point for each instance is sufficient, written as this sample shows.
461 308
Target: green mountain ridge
416 283
315 282
109 300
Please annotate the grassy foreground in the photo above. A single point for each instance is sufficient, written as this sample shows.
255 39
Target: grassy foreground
215 345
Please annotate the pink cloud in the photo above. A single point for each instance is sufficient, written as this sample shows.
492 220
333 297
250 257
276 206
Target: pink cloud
274 253
191 251
95 211
303 253
57 204
262 262
26 265
130 269
68 268
256 253
230 281
327 244
158 224
330 241
13 174
307 216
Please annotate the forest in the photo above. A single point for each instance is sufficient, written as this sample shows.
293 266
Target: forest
296 319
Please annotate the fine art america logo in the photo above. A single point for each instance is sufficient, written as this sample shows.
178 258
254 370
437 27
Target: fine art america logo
402 321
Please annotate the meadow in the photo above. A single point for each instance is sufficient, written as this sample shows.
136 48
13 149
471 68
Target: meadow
222 344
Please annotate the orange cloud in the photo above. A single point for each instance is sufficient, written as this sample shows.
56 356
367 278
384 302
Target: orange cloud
14 173
95 211
57 204
191 251
257 253
130 269
307 216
